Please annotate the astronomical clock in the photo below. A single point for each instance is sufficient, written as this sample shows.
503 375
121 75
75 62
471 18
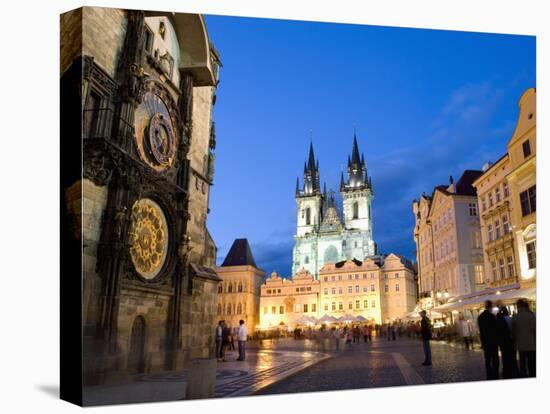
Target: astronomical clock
156 137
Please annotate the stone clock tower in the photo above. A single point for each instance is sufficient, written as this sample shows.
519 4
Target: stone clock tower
146 82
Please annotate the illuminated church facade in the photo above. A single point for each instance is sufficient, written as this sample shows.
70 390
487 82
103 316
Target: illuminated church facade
326 233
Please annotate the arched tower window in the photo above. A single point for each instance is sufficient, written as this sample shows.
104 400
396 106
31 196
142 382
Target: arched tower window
229 309
240 288
239 309
230 288
355 210
308 216
219 308
220 288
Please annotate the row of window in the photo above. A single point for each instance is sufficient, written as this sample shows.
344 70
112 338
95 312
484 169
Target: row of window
273 291
487 201
498 228
305 308
350 305
444 248
356 277
229 289
229 309
503 269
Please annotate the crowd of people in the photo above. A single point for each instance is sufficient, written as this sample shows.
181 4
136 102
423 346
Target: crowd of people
502 337
512 336
225 340
508 341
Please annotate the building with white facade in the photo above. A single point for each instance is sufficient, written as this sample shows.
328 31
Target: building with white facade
323 234
448 241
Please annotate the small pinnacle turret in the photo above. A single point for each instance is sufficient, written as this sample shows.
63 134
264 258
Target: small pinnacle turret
357 170
311 175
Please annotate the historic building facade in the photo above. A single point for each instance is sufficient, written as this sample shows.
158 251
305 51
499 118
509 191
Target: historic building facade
507 196
137 91
381 289
448 241
239 290
322 234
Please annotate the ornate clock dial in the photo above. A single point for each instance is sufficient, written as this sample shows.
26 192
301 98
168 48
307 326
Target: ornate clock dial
148 238
155 135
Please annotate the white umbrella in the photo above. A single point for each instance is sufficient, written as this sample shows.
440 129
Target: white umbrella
326 319
303 320
348 318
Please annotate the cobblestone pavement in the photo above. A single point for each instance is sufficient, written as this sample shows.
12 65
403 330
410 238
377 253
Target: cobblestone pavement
385 363
265 363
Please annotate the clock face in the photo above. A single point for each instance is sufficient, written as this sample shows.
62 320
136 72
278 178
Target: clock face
148 238
154 131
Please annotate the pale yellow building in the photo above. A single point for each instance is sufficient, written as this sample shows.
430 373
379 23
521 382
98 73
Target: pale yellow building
380 289
239 290
283 301
507 195
448 240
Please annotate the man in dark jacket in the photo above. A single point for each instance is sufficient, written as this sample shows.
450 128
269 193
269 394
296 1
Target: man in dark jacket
524 332
426 331
487 323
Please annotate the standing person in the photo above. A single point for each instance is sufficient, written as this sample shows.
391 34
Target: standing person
225 339
393 332
366 333
369 332
241 337
506 344
219 341
336 336
465 331
524 333
426 332
231 339
487 323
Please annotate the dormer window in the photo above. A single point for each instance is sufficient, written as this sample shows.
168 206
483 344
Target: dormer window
162 29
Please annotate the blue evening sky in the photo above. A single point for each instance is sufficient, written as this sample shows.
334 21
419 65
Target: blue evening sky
426 104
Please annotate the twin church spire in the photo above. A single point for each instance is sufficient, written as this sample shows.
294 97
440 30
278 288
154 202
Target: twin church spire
357 177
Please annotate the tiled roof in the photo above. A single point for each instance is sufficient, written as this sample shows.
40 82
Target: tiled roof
239 254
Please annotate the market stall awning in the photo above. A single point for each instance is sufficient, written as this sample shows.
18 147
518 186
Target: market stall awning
496 296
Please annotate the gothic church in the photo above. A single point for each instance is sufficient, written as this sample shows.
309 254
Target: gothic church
324 234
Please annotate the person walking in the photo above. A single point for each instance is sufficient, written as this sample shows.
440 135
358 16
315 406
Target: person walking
241 337
465 332
487 323
524 333
393 332
219 341
426 333
366 333
506 344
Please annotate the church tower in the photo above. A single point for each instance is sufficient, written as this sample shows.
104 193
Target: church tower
357 197
309 199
